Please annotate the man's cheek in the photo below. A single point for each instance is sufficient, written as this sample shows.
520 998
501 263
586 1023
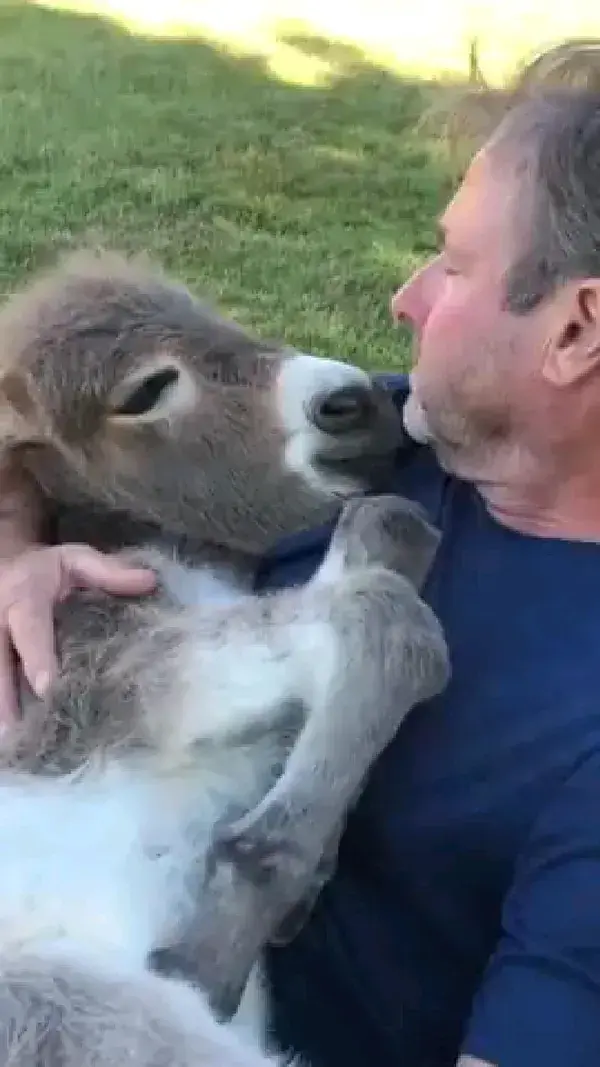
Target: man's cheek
448 328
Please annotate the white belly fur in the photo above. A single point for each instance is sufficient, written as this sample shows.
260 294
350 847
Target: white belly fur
94 858
98 859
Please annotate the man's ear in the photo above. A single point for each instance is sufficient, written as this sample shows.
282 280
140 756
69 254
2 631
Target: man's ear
573 346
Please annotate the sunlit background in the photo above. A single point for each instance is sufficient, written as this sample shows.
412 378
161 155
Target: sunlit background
429 37
267 151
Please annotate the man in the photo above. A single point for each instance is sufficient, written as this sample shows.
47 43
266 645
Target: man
463 924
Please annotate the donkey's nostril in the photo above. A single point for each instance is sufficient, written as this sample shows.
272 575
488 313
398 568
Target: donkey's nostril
343 410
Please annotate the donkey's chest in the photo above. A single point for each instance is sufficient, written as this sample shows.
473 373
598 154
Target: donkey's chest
102 859
202 584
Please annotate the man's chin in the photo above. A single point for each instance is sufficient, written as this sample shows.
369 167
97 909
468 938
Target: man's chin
449 453
417 426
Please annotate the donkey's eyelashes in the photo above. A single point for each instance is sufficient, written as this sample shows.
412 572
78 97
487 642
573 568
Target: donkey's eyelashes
147 393
162 390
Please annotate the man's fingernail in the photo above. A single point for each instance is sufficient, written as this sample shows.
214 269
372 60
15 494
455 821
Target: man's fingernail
41 684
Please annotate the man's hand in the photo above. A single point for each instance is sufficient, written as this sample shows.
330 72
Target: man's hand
30 586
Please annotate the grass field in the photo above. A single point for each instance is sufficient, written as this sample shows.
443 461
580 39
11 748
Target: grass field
296 208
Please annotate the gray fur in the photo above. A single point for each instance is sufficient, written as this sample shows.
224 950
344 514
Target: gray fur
60 1013
206 486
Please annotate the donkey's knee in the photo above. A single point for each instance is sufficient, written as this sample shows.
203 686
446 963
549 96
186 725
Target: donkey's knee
386 531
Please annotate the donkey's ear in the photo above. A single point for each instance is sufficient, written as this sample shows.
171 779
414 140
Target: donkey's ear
21 424
161 389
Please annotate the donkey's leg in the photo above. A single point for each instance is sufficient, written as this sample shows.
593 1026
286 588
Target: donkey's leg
384 653
390 663
386 531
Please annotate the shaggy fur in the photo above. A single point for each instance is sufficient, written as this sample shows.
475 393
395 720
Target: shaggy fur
181 796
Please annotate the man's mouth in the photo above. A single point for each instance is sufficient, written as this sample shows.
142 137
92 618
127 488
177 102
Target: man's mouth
414 418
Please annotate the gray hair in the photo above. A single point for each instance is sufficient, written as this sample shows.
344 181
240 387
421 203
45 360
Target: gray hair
546 124
554 140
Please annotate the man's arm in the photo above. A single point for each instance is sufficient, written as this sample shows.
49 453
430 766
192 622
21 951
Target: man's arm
539 1002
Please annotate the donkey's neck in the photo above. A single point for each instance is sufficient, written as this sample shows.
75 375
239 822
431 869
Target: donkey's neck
111 531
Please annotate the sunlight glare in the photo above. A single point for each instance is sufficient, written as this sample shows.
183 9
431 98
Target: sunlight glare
428 39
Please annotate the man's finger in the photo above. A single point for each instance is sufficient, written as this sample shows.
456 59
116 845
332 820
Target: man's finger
90 569
9 704
31 627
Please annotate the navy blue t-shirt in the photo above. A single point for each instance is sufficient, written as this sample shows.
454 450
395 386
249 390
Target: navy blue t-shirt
465 912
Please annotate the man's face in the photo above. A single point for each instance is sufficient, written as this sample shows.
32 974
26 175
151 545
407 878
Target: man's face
476 364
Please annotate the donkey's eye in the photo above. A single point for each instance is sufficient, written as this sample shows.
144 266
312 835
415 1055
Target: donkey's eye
147 394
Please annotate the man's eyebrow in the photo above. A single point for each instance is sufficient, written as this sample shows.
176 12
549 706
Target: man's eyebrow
444 238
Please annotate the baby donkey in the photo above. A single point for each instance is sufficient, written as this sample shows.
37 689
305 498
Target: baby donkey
182 793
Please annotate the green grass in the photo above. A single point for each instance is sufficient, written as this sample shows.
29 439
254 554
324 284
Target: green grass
297 209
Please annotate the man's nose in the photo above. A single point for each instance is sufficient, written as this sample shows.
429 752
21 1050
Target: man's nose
411 304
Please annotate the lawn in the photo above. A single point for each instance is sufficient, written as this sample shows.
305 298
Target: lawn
296 208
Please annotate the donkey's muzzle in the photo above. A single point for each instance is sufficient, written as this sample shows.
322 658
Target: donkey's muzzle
361 433
349 409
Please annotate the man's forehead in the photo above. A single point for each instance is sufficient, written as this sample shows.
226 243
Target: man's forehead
476 186
482 208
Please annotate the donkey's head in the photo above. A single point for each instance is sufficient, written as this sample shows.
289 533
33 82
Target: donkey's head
121 391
